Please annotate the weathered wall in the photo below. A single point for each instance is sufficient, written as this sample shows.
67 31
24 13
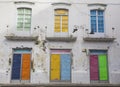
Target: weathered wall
43 16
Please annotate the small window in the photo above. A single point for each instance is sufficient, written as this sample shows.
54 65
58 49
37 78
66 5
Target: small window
97 21
24 19
61 20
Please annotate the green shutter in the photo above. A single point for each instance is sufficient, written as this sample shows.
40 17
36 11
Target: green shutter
20 21
103 71
24 19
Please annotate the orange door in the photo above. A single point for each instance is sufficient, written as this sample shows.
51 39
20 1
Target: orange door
25 75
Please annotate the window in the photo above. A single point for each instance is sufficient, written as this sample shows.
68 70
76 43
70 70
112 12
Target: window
98 66
24 19
61 20
97 21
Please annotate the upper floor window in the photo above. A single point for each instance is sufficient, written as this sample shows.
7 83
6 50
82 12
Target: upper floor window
24 19
61 20
97 21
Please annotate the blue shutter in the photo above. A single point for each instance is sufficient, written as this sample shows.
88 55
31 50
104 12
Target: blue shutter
16 67
93 21
65 67
100 21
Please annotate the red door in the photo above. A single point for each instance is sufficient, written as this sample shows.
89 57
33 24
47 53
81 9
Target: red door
93 67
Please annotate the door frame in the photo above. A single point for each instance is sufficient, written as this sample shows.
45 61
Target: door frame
21 51
69 52
97 53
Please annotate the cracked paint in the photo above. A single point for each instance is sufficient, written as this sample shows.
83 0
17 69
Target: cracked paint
40 57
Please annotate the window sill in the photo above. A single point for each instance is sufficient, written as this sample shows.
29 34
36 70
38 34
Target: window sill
23 38
66 38
93 38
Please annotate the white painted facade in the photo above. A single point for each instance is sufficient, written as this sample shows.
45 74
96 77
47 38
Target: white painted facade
43 16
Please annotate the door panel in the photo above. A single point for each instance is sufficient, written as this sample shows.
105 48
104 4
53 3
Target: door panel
65 67
55 67
25 67
16 67
103 71
93 67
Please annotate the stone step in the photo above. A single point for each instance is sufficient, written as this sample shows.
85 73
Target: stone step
60 85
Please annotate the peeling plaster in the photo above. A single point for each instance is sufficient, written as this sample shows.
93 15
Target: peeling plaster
40 54
41 50
40 59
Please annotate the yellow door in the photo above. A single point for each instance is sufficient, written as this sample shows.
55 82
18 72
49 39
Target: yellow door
55 67
25 67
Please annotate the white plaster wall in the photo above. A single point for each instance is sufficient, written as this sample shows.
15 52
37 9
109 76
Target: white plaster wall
114 65
43 16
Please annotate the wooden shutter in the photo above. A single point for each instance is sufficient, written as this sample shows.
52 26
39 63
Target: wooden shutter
26 67
55 67
93 67
103 71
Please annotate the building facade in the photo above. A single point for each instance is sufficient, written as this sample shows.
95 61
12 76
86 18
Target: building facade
59 41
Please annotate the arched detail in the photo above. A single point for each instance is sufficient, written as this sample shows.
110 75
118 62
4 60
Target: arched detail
24 2
97 6
61 3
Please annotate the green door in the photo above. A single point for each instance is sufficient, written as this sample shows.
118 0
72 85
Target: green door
103 71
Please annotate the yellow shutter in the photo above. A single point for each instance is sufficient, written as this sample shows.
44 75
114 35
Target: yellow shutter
64 23
55 67
61 20
57 23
